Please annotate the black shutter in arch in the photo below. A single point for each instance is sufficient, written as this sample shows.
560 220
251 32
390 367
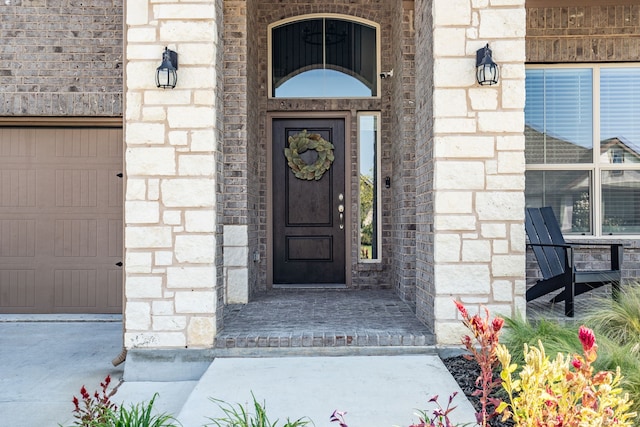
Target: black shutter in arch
348 47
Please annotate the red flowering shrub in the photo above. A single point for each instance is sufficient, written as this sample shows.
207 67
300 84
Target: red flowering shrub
94 409
482 349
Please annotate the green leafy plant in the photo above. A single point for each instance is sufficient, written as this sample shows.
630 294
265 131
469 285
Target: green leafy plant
563 392
240 416
482 349
141 415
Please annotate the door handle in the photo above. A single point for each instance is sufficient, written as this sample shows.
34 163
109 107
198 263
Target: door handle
341 211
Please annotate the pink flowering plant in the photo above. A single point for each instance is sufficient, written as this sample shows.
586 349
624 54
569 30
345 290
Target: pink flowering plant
565 391
482 348
440 415
338 417
438 418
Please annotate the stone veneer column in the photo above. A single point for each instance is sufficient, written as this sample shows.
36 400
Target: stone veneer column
171 298
478 149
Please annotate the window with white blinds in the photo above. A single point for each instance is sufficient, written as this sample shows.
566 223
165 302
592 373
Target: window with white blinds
568 109
559 116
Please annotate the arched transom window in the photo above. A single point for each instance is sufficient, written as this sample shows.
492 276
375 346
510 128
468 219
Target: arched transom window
324 57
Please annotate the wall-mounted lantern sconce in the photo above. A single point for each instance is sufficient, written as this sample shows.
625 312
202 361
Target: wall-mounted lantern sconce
166 75
487 72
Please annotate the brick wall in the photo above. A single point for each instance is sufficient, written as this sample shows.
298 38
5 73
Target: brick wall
402 121
583 33
219 284
61 58
257 171
239 177
425 286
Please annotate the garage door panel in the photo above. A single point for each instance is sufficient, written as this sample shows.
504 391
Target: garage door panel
85 237
114 198
76 188
75 288
114 238
18 289
114 289
76 143
17 142
17 237
76 238
61 220
77 291
93 145
17 188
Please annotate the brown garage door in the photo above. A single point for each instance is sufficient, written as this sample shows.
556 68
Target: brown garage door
60 220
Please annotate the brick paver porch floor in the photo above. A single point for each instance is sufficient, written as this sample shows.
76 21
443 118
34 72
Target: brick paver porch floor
323 318
331 318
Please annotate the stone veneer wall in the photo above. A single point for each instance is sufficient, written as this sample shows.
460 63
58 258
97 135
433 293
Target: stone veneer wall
478 170
61 58
608 33
173 286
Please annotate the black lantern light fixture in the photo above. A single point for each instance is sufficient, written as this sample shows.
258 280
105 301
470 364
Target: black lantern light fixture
166 75
487 72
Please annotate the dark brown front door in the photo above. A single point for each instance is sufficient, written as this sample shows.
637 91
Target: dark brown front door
308 227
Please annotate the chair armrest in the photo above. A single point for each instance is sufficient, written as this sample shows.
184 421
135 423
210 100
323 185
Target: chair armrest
616 250
597 244
551 245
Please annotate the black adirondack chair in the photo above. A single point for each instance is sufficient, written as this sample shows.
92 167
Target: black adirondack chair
555 259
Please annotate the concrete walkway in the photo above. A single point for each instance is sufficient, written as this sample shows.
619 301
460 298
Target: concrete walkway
373 390
44 364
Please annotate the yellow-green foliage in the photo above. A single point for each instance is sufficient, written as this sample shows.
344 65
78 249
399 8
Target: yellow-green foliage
616 322
564 391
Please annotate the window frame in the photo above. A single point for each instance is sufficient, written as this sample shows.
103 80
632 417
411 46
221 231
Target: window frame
337 16
595 167
378 178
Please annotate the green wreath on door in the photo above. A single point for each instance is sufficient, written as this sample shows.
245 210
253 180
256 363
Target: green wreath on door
302 142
